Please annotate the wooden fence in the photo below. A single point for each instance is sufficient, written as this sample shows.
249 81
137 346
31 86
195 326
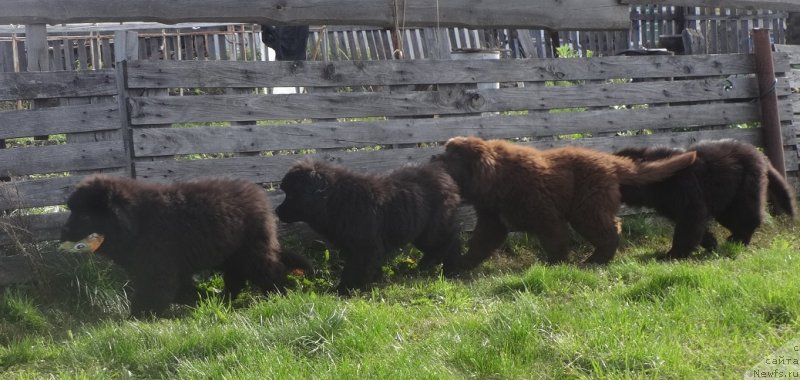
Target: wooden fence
793 76
369 118
78 49
726 30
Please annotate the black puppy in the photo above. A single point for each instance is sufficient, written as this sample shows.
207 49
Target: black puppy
729 181
162 234
368 217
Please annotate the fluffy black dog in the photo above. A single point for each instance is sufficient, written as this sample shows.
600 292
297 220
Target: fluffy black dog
368 217
729 181
162 234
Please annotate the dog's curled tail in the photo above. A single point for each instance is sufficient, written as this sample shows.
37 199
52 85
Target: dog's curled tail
647 172
780 193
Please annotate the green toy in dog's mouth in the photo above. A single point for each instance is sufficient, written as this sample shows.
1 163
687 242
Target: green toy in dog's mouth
89 244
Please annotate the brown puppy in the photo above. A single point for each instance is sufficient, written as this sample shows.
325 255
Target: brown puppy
162 234
517 188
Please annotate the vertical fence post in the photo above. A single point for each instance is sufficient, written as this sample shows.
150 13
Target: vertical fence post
126 46
37 52
768 99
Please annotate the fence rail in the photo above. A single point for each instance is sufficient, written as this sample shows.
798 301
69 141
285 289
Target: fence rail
726 30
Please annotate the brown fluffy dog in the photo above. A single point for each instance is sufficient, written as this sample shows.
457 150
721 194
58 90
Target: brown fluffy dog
729 181
162 234
517 188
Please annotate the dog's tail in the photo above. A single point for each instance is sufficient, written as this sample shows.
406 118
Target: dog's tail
780 193
642 173
297 264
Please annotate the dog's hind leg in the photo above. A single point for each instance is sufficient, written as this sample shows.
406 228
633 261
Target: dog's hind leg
488 236
187 292
555 241
709 242
603 234
439 247
596 220
690 231
743 217
362 266
153 292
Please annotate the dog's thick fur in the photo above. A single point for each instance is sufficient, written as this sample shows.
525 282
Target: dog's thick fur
729 181
517 188
162 234
368 217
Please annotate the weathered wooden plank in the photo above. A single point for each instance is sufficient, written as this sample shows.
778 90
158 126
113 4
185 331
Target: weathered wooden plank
39 192
54 120
62 158
172 141
794 78
174 109
149 74
36 193
35 227
792 50
56 84
271 169
563 14
782 5
46 227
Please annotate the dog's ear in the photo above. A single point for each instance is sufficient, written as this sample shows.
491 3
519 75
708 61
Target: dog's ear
482 155
317 180
121 206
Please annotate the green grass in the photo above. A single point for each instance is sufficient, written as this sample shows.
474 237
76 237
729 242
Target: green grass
714 316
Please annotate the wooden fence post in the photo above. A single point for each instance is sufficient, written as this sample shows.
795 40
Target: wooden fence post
38 57
768 99
126 47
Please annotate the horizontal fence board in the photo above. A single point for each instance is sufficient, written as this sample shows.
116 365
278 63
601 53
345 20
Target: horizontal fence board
169 74
794 78
563 14
55 120
171 141
209 108
36 227
793 58
57 84
46 227
39 192
792 51
272 169
62 158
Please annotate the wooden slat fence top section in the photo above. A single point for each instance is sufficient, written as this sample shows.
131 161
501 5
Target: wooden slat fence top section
177 109
167 74
62 158
57 84
780 5
272 169
172 141
56 120
563 14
